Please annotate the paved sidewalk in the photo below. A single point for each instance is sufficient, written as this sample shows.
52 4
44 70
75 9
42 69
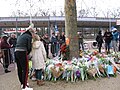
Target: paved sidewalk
9 81
11 68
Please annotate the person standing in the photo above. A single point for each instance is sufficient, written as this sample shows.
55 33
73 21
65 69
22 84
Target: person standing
80 41
108 38
46 41
22 50
5 47
62 38
38 58
53 44
115 39
12 41
99 40
58 43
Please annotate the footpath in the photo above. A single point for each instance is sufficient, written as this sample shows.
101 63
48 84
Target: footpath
9 81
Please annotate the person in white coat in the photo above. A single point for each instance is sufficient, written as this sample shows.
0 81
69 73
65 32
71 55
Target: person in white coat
38 58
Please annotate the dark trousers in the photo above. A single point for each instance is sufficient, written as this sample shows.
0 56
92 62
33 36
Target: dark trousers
53 49
119 46
47 49
107 46
22 66
99 47
7 58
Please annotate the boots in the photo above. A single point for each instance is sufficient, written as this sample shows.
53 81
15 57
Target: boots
40 82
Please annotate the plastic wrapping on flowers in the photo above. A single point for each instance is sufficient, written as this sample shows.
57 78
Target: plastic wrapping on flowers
90 65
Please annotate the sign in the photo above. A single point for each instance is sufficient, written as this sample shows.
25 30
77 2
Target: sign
118 22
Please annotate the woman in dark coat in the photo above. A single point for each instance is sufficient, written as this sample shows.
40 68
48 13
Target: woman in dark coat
99 40
108 38
5 47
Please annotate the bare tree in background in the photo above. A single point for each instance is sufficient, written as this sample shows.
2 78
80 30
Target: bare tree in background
83 13
54 13
31 10
45 12
93 11
115 13
62 13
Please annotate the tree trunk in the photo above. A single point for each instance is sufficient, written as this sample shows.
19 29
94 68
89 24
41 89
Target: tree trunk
71 27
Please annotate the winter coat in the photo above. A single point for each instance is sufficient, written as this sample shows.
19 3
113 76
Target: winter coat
13 41
24 42
108 37
115 36
53 40
99 38
4 43
38 55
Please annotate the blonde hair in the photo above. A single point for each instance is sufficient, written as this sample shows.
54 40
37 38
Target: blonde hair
36 37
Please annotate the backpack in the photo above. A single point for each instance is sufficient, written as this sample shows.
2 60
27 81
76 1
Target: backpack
94 43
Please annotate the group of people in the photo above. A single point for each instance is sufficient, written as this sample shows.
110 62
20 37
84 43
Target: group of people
28 46
7 46
110 39
32 45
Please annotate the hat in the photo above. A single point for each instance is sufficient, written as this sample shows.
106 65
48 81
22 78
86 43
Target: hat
100 32
114 29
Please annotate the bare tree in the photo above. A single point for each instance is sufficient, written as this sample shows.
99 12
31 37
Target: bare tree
115 13
45 13
61 13
94 12
86 11
83 13
54 13
31 10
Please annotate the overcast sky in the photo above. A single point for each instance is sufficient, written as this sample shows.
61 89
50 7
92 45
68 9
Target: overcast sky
8 6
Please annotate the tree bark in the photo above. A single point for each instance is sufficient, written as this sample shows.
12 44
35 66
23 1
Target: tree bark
71 27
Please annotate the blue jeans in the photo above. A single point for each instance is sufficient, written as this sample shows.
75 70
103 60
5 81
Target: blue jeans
39 74
107 47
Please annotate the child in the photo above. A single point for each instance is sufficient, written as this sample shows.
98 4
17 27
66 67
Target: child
38 58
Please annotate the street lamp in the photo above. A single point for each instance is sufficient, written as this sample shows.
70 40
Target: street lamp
30 13
16 26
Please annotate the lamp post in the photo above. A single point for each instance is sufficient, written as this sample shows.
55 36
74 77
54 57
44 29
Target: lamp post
109 20
16 18
16 26
31 5
30 13
49 26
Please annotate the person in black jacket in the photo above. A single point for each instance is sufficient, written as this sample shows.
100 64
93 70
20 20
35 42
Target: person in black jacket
22 50
46 41
99 40
107 38
12 41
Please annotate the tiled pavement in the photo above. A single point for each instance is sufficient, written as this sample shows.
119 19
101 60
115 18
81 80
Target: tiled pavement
11 68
